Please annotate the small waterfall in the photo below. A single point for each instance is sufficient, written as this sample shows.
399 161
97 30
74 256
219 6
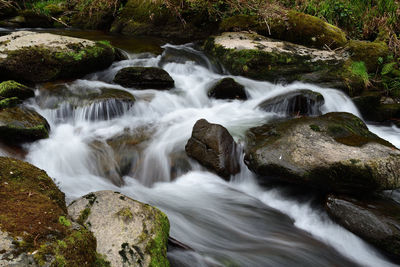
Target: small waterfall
236 223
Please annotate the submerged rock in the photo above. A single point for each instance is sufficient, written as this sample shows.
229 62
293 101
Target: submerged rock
20 124
34 218
335 152
227 88
144 78
300 102
14 89
262 58
39 57
213 146
375 220
128 232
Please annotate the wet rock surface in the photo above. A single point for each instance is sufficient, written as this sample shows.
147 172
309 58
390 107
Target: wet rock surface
144 78
20 124
377 220
227 88
128 232
213 146
334 152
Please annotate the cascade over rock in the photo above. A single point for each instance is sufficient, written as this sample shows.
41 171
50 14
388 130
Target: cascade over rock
128 232
299 102
213 146
335 152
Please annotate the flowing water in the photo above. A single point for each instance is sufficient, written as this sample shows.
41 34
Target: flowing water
139 150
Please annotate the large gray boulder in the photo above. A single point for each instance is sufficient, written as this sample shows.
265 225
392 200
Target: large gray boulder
128 232
335 152
40 57
257 57
376 220
213 146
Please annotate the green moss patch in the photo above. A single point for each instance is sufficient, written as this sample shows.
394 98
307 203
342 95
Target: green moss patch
14 89
30 203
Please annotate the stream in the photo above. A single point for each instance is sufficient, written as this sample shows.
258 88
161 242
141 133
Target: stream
236 223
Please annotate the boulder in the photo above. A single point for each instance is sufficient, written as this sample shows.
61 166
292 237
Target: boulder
213 147
40 57
20 124
374 219
227 88
291 26
14 89
34 219
374 107
144 78
368 52
335 152
257 57
9 102
299 102
128 232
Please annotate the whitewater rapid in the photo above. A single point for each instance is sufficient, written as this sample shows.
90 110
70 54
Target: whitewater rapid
236 223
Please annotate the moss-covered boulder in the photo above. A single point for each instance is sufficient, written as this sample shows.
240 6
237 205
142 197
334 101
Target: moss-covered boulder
368 52
334 152
33 217
377 220
227 88
144 78
299 102
261 58
128 232
20 124
213 147
14 89
39 57
307 30
9 102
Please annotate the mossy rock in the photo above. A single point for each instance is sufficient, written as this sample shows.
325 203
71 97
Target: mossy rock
368 52
20 124
307 30
14 89
31 203
261 58
239 23
345 77
335 152
9 102
33 214
39 57
128 232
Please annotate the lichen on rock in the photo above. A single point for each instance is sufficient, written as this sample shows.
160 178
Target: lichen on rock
128 232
